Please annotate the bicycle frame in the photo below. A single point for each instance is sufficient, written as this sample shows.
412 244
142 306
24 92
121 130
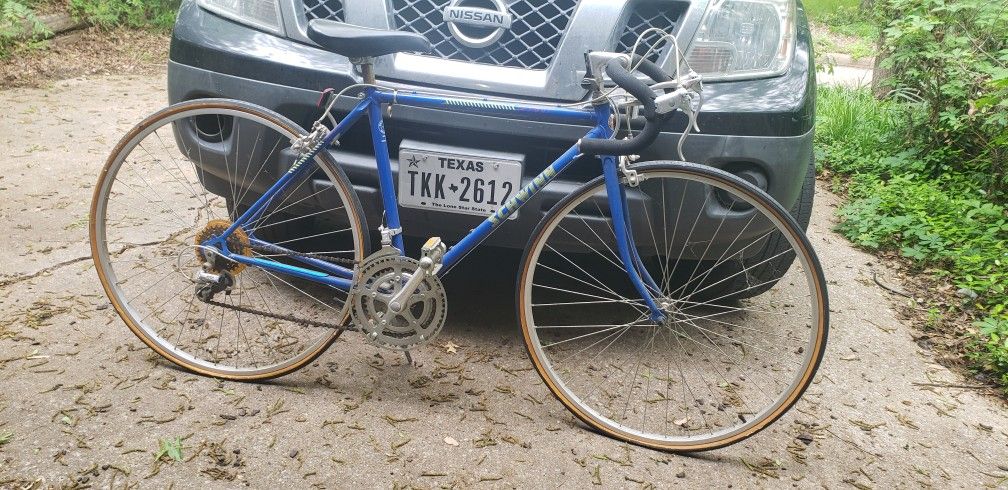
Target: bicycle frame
342 278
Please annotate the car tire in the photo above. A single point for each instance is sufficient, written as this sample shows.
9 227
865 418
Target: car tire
765 276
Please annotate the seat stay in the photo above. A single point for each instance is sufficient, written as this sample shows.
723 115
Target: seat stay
278 187
334 275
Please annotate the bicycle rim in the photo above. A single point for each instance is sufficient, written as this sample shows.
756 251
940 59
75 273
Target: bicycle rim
721 369
163 189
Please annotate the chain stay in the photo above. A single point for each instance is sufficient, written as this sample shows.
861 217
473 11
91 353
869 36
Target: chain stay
289 318
325 258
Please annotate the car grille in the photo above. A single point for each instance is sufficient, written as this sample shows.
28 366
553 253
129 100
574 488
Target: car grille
530 43
324 9
644 16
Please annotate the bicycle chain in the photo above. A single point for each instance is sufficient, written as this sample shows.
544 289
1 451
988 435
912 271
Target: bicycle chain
277 316
289 318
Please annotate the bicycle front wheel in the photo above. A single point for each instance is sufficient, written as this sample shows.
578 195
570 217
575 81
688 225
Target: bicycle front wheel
182 177
719 368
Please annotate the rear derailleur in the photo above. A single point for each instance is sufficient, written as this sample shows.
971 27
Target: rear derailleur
208 284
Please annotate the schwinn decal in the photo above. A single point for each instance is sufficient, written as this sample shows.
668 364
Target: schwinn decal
518 199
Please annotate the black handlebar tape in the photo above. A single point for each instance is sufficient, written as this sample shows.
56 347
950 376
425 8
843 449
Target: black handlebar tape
627 81
653 71
632 146
640 90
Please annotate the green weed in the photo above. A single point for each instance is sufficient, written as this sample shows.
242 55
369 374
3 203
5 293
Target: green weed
169 447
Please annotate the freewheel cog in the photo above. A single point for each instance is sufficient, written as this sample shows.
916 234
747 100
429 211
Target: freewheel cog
376 282
238 243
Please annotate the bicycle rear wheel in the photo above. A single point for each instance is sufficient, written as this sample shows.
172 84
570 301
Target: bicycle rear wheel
182 176
719 369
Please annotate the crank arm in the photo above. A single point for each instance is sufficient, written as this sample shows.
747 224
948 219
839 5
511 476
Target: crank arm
396 303
430 263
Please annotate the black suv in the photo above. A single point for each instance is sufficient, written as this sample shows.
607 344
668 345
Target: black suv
755 55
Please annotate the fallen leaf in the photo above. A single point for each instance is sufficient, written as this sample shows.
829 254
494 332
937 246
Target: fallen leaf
451 347
449 440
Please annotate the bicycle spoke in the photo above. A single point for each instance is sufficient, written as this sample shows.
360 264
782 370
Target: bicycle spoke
709 369
163 190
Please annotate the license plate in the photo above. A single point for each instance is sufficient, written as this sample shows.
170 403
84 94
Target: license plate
456 180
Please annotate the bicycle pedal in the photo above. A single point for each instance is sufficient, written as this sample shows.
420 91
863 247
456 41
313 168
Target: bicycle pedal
431 253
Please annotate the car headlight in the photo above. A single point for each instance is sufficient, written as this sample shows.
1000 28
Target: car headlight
744 39
263 14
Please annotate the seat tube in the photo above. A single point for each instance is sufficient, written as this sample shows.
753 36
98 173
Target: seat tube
623 241
385 181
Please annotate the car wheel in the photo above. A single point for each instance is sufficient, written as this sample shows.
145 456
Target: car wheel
761 278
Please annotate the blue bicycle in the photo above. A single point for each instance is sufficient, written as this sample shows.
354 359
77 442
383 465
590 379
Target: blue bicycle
668 304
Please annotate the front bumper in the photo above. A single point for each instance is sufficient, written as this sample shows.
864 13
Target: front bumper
762 125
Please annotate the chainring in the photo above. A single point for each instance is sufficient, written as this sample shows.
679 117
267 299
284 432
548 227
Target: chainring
377 280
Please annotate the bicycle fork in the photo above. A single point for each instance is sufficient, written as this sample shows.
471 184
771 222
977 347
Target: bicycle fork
627 249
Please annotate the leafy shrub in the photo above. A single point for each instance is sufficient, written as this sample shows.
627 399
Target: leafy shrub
927 173
992 346
945 222
948 60
964 234
131 13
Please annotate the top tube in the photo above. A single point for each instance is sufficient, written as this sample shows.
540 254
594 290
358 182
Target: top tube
585 116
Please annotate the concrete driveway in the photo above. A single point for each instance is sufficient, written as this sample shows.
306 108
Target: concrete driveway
83 402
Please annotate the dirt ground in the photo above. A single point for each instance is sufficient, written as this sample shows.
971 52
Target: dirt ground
91 51
83 402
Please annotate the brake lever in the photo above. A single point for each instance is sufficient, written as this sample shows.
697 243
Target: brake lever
692 80
684 99
691 111
689 81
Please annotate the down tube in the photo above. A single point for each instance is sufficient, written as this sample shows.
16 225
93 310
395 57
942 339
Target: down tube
476 236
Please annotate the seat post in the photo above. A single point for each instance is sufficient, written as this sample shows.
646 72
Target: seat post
366 65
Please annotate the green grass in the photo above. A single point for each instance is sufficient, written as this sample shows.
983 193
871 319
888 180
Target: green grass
943 224
854 116
854 131
818 9
843 17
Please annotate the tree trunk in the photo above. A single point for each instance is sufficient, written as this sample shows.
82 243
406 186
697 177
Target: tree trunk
880 75
54 23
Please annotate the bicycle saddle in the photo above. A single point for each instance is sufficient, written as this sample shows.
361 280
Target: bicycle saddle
363 42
